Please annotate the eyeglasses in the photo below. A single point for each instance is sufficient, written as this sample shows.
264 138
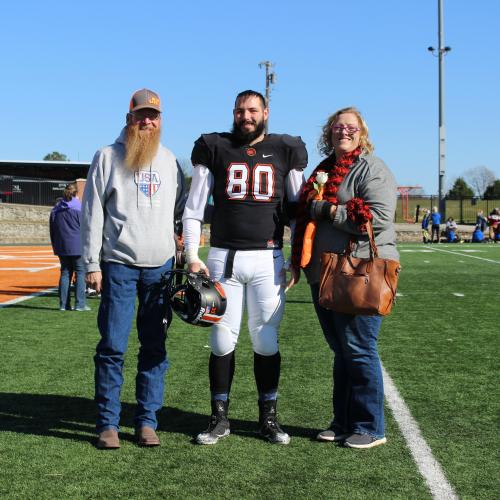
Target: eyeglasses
350 129
142 114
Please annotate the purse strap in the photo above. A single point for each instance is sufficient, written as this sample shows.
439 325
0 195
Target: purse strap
373 246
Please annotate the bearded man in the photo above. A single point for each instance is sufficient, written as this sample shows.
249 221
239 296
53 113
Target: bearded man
249 174
132 190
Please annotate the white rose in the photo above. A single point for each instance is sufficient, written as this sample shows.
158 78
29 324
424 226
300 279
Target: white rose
321 178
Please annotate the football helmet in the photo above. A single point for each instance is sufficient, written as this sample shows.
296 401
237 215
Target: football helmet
196 298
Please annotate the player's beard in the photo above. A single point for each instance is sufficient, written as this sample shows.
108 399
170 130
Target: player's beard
244 137
141 146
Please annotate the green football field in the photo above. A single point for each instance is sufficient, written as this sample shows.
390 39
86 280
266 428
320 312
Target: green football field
439 349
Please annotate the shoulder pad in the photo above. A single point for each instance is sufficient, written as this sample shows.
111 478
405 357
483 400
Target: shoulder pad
292 140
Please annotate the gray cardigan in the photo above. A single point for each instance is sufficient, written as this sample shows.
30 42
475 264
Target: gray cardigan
369 179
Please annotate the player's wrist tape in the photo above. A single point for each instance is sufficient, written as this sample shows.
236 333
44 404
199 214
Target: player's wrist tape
192 256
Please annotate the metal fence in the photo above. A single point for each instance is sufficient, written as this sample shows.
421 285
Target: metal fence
30 191
464 210
35 191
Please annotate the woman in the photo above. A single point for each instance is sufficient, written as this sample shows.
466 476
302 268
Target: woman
425 226
481 221
494 224
359 188
451 230
66 244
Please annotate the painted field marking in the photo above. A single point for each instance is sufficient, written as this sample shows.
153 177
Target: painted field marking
30 296
459 295
29 269
470 256
410 250
31 258
27 272
429 467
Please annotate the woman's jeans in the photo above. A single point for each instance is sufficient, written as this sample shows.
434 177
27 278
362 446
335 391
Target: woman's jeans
71 264
121 285
358 388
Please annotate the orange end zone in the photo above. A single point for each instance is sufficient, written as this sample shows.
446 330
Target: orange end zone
26 270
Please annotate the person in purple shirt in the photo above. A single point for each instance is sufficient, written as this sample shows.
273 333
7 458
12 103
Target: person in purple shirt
64 225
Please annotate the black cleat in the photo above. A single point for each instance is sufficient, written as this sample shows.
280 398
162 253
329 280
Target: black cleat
268 422
218 427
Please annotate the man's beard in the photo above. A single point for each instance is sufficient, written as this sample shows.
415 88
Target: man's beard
141 146
243 137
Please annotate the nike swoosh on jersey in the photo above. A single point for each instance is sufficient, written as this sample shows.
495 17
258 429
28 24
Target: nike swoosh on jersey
266 156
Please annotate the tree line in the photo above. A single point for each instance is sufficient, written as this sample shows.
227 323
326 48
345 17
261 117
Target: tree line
478 182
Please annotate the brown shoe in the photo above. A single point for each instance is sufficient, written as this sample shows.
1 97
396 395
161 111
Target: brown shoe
108 440
146 436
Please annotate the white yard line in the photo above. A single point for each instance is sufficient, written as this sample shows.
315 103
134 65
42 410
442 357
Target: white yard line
26 297
30 269
428 466
466 255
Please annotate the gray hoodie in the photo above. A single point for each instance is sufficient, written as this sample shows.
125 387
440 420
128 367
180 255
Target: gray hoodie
127 216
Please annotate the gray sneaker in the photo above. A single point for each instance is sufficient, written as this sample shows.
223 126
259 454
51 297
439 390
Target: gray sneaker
218 426
332 434
362 441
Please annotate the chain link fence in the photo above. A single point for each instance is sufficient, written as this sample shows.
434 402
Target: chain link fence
463 211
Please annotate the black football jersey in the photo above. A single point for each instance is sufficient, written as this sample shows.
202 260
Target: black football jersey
249 187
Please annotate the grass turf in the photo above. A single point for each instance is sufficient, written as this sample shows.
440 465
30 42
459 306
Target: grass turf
440 350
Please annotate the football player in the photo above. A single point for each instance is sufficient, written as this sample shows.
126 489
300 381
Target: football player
252 178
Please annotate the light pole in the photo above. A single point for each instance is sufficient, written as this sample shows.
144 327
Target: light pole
440 52
270 80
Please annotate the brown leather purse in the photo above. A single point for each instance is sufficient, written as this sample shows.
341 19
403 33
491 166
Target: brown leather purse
352 285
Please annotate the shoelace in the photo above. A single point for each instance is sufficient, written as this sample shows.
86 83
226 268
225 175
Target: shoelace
271 422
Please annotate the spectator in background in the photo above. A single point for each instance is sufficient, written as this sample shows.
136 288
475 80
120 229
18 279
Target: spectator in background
481 221
425 226
477 235
494 223
64 225
451 230
436 221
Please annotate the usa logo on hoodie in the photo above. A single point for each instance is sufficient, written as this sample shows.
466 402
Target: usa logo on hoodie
148 182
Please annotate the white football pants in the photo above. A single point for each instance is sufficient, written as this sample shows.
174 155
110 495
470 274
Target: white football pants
257 280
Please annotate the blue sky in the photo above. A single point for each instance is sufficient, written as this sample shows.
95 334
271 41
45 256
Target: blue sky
69 68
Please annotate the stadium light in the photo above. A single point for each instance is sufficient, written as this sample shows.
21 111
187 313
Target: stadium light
440 52
270 80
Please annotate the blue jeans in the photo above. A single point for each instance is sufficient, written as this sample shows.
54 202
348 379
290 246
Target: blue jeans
358 388
121 285
71 264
